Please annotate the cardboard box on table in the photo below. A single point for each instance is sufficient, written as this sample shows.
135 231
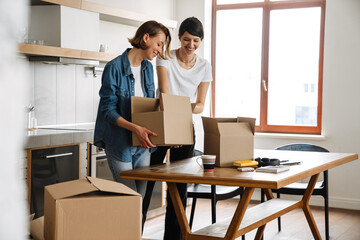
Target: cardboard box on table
91 208
230 139
170 117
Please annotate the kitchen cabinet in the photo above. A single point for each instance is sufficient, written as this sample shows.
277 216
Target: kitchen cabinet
49 165
105 13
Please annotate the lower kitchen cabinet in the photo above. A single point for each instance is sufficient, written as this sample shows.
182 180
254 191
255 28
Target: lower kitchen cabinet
49 165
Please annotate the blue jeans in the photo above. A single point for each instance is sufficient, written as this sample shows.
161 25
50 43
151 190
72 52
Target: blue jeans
140 158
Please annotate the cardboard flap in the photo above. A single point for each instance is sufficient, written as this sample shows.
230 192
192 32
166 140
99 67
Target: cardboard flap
141 104
70 188
210 125
111 186
251 122
37 228
174 103
235 129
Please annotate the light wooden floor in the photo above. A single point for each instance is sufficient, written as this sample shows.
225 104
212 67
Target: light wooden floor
344 224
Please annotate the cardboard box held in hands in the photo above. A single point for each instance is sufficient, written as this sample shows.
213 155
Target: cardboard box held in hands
91 208
230 139
170 117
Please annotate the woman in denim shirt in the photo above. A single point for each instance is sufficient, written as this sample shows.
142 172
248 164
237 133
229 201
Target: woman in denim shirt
130 74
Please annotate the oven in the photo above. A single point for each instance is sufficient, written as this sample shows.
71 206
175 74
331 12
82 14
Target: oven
97 163
47 166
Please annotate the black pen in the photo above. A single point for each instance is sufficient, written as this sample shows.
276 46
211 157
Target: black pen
291 163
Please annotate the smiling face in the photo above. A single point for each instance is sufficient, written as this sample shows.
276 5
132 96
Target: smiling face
154 45
189 43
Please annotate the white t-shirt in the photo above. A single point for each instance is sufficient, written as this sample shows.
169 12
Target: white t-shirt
184 82
139 92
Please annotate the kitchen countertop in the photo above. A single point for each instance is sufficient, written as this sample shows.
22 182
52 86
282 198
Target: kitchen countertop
53 135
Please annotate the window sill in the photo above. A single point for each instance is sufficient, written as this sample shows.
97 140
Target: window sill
290 136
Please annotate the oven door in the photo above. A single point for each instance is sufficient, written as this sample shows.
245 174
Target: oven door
99 167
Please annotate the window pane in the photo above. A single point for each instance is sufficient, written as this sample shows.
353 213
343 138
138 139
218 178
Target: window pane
292 0
238 62
293 64
219 2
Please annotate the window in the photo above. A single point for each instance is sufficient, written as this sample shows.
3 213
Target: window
267 62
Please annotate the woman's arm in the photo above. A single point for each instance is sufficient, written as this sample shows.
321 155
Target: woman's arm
163 79
141 132
201 96
108 103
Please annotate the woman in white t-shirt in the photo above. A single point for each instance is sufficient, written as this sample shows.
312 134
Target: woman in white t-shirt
186 74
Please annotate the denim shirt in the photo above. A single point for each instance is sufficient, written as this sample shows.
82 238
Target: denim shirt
115 101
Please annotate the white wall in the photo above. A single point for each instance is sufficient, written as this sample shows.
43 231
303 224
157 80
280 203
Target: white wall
13 86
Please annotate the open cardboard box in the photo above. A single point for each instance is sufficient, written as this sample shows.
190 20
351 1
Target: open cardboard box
91 208
170 117
230 139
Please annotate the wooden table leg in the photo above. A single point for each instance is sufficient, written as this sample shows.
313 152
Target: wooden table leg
268 193
306 208
260 231
179 210
239 213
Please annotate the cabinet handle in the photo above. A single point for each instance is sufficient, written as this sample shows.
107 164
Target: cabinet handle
59 155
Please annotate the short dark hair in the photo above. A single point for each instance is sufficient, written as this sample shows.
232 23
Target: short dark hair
152 28
193 26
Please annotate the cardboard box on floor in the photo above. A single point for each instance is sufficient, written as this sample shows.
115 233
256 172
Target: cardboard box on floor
91 208
37 229
170 117
230 139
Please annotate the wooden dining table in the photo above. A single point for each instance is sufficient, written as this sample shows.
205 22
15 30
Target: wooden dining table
245 219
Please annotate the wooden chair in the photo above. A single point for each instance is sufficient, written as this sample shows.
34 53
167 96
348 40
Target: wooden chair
213 192
321 187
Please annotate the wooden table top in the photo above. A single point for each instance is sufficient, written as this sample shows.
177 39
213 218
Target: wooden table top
188 171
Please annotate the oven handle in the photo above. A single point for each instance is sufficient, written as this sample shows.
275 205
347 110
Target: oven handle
59 155
101 157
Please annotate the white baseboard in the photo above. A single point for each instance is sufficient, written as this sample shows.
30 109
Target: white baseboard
334 202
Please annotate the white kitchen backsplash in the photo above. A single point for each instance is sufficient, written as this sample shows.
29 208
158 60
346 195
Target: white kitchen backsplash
64 94
45 93
84 97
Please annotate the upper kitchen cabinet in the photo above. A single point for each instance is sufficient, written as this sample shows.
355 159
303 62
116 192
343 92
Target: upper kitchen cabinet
64 27
76 28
